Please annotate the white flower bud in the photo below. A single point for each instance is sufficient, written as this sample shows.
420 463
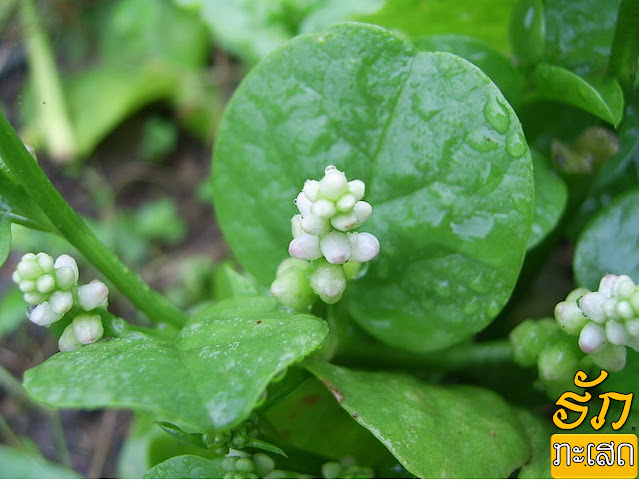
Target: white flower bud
306 246
289 263
362 210
623 287
592 306
569 317
92 295
17 279
632 326
292 287
68 340
335 247
333 184
45 262
65 278
87 328
616 333
328 281
592 338
610 309
45 283
61 301
577 293
346 203
606 283
634 301
316 225
67 261
27 285
323 208
28 269
357 188
310 189
364 247
624 310
43 314
296 225
29 257
34 298
611 358
345 222
303 204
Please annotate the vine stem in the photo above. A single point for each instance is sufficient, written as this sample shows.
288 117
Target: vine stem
29 174
625 45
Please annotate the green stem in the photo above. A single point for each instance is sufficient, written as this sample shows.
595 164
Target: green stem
9 436
29 174
625 45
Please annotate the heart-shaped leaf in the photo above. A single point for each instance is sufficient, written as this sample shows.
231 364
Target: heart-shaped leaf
209 378
435 432
443 156
186 467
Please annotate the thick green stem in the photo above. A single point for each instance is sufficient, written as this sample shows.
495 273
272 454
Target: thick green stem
70 225
625 46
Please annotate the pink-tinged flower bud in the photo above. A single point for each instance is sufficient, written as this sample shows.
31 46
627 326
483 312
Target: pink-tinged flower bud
68 341
606 283
623 287
357 188
364 247
592 338
611 358
61 301
328 281
45 261
323 208
92 295
303 204
346 203
362 210
62 275
569 317
345 222
592 306
335 247
616 333
296 225
310 189
316 225
43 314
333 184
306 246
45 283
87 328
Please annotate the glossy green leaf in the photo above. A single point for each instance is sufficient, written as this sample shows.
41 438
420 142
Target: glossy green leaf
551 196
528 31
13 310
185 438
539 432
497 66
441 152
435 432
15 464
609 243
601 96
5 238
311 420
209 378
16 206
186 467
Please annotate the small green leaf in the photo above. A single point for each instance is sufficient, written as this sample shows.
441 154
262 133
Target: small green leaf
442 154
496 65
209 378
194 439
609 243
433 431
528 31
186 467
551 196
601 96
228 282
15 464
263 446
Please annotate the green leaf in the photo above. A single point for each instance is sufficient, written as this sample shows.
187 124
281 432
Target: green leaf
5 238
186 467
609 243
601 96
312 421
494 64
441 152
210 378
434 432
551 196
528 31
15 464
229 283
17 206
194 439
539 432
13 310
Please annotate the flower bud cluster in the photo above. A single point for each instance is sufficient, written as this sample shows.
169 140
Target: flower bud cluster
346 468
325 250
239 465
606 320
51 288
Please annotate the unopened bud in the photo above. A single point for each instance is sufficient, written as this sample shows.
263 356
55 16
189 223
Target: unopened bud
27 285
592 306
606 283
264 464
43 314
292 287
65 277
303 204
357 188
87 328
296 225
611 358
335 247
245 464
68 261
328 281
323 208
346 203
306 246
362 210
34 298
529 338
289 263
61 301
633 327
610 309
624 310
558 361
28 268
68 340
310 189
45 261
364 247
577 293
345 222
45 283
316 225
92 295
569 317
616 333
634 301
623 287
592 338
333 184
